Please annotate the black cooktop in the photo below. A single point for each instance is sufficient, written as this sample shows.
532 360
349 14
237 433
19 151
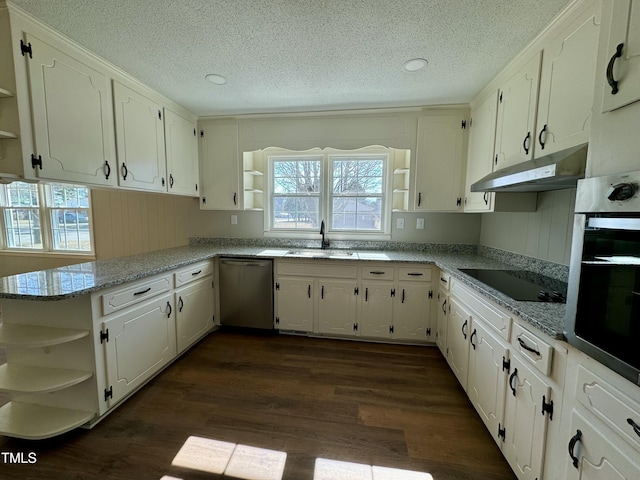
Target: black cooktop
521 285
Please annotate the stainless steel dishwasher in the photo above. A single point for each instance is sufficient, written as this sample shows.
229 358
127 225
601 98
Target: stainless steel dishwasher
246 293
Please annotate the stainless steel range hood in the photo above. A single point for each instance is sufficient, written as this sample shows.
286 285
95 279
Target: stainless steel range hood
556 171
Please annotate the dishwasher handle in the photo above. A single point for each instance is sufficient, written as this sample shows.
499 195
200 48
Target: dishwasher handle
246 263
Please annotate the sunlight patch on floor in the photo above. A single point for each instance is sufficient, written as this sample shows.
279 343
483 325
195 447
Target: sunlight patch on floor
239 461
326 469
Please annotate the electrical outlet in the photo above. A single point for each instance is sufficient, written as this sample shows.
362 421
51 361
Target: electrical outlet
420 223
400 223
234 219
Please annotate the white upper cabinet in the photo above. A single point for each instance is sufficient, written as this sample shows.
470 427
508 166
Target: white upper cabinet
219 166
567 83
140 140
517 104
480 159
71 117
441 153
181 141
621 32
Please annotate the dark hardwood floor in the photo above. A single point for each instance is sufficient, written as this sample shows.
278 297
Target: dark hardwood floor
386 405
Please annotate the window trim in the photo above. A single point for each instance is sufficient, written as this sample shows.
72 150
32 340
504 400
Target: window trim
326 195
46 227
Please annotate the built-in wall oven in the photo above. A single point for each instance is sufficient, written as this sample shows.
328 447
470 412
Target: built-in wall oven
603 298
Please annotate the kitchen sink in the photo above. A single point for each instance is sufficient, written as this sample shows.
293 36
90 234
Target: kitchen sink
318 253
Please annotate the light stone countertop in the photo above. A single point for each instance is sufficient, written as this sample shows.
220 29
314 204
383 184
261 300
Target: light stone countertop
80 279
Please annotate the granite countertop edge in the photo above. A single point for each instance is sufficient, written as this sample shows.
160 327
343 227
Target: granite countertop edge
546 317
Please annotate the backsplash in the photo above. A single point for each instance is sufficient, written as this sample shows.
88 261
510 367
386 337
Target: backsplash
543 267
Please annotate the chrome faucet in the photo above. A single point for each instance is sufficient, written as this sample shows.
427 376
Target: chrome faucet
325 243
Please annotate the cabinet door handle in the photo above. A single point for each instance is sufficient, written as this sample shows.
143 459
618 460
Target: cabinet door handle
193 274
419 198
443 280
527 347
486 198
613 83
444 307
309 291
511 378
377 273
544 129
235 198
170 180
402 295
412 274
108 168
525 143
636 427
125 171
322 292
141 292
170 310
464 325
180 303
572 445
473 334
366 294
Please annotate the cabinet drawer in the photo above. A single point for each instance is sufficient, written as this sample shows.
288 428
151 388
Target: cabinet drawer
193 272
317 269
415 274
377 273
444 281
499 319
536 351
609 404
132 293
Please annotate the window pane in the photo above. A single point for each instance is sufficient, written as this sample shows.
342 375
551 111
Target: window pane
296 212
357 213
69 196
21 194
355 176
296 176
22 227
70 229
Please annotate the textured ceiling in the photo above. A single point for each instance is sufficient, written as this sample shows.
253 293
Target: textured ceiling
303 55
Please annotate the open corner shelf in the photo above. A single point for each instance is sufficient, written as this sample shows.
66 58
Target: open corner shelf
29 379
4 134
36 422
34 336
4 93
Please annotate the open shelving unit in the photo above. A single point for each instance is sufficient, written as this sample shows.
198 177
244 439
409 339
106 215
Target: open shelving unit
253 179
401 180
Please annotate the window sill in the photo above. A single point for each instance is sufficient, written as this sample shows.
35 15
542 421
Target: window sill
40 254
329 236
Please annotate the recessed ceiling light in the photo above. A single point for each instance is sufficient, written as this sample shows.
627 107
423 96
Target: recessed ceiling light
214 78
415 64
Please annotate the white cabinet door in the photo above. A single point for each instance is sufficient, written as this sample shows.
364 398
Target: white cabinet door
592 456
567 83
411 319
337 307
194 312
621 31
294 304
480 156
72 118
517 104
376 314
441 322
219 166
440 158
140 140
487 377
458 329
525 424
181 141
142 340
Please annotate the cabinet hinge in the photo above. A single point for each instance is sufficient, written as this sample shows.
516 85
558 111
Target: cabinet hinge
196 187
201 133
24 49
393 292
502 432
36 162
204 200
506 364
108 393
428 332
355 327
104 336
464 124
547 407
430 293
194 133
459 201
390 328
500 97
277 320
496 159
355 291
277 286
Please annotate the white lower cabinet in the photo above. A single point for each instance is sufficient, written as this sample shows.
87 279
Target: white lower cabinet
376 310
194 312
337 307
442 316
141 341
411 318
458 329
294 303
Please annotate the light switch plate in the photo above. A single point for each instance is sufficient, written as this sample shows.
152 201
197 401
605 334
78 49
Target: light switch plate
420 224
234 219
400 223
